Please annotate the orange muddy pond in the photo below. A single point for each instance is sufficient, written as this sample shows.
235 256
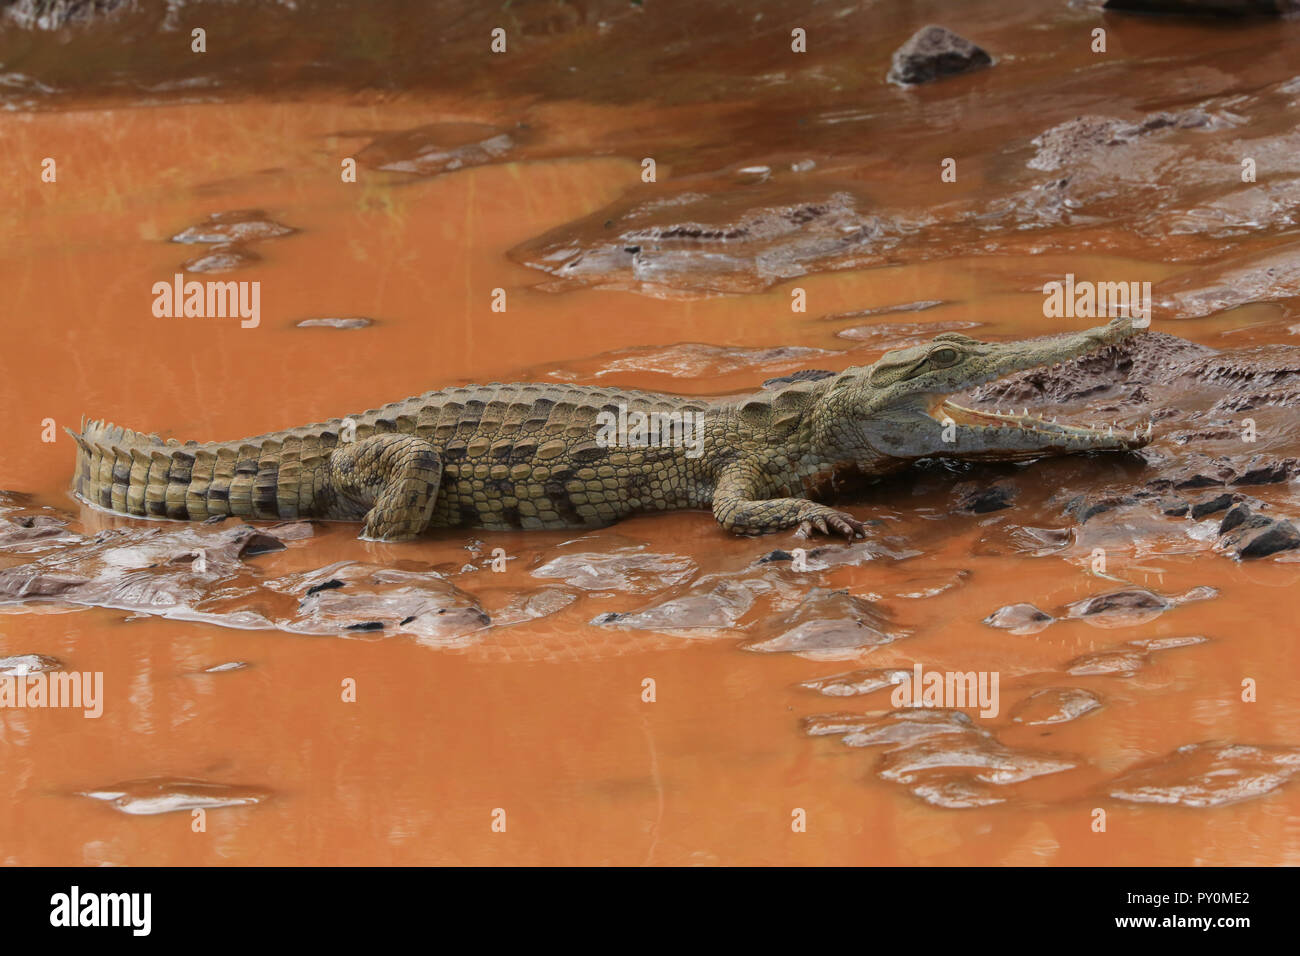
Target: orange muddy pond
544 723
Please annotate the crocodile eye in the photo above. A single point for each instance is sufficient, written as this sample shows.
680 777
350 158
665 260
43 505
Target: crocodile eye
944 357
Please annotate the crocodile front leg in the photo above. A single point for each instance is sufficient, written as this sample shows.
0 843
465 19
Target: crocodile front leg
738 507
396 476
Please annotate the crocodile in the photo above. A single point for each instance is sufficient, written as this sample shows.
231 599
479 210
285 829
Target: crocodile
506 456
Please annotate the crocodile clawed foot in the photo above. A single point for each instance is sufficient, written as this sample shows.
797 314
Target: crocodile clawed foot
832 522
848 526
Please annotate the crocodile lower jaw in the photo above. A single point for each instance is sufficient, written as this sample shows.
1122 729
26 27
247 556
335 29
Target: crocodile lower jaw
946 409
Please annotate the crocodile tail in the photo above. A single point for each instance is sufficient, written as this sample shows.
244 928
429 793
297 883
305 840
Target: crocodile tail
126 471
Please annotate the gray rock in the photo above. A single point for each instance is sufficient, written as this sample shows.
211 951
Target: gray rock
1270 539
934 52
1211 506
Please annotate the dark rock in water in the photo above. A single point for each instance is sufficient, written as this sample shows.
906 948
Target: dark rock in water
829 623
1055 705
333 323
1216 474
1083 507
259 543
24 664
1207 8
324 586
1263 471
1240 514
982 499
1208 774
170 794
1020 619
1269 539
933 52
1174 507
1202 509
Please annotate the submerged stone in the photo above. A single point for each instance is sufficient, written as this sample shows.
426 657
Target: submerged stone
241 225
632 569
718 607
438 148
335 323
1208 775
827 623
155 795
1055 705
1020 619
855 683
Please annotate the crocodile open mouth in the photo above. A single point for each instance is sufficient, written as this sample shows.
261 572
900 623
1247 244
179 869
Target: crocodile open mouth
1026 431
947 410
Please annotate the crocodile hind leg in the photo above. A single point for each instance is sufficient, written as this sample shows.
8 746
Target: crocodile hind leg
395 475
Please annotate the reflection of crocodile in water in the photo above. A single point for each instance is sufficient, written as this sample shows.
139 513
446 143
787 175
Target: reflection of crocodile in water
530 456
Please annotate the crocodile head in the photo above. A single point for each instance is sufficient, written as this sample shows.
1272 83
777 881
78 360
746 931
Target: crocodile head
900 408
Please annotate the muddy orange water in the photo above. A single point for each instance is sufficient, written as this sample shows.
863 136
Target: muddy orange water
546 720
